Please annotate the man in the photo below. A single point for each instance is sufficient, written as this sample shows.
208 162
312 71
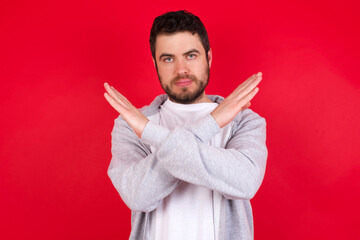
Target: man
187 164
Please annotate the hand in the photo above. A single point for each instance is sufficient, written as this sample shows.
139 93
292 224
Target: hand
131 114
237 101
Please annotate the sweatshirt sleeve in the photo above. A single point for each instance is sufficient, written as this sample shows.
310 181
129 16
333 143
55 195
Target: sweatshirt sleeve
236 171
135 172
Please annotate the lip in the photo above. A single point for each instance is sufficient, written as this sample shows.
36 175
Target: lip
183 82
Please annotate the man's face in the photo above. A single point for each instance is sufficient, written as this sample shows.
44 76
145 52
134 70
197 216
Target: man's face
182 66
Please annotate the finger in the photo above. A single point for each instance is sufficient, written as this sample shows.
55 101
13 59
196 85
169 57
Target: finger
255 79
110 91
251 78
249 96
120 95
251 83
118 107
245 90
119 98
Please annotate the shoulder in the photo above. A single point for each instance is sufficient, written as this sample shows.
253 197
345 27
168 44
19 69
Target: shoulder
154 106
247 115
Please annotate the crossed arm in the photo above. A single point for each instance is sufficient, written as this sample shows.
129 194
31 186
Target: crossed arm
143 178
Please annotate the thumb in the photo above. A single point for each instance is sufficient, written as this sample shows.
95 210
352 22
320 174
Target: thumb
246 105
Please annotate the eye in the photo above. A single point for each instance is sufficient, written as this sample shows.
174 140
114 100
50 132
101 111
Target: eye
191 56
168 59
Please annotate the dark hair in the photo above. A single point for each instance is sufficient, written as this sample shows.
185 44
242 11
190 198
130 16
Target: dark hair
179 21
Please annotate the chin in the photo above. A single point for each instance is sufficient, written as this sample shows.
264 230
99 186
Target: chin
185 98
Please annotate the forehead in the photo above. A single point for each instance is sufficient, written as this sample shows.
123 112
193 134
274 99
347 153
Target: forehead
178 43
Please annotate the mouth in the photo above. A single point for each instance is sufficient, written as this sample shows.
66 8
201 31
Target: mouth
183 82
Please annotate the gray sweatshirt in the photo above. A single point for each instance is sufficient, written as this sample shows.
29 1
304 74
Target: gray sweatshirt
144 177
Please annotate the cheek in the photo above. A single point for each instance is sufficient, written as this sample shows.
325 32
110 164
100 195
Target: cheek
202 69
201 65
164 71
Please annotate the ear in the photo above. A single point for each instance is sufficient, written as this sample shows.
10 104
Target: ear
154 62
210 57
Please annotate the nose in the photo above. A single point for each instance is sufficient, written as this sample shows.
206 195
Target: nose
181 67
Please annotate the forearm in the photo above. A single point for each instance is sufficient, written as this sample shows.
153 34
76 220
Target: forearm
135 172
236 173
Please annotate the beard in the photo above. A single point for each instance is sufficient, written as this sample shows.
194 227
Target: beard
186 96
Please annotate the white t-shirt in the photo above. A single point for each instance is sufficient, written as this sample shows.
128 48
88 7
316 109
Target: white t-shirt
190 212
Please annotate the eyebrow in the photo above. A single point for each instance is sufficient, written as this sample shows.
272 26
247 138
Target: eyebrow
184 54
166 55
191 51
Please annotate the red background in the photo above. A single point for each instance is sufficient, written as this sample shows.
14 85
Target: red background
55 124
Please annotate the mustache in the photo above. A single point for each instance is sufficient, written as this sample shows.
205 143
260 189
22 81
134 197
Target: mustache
184 76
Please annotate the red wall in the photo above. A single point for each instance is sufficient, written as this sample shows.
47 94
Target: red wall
55 124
